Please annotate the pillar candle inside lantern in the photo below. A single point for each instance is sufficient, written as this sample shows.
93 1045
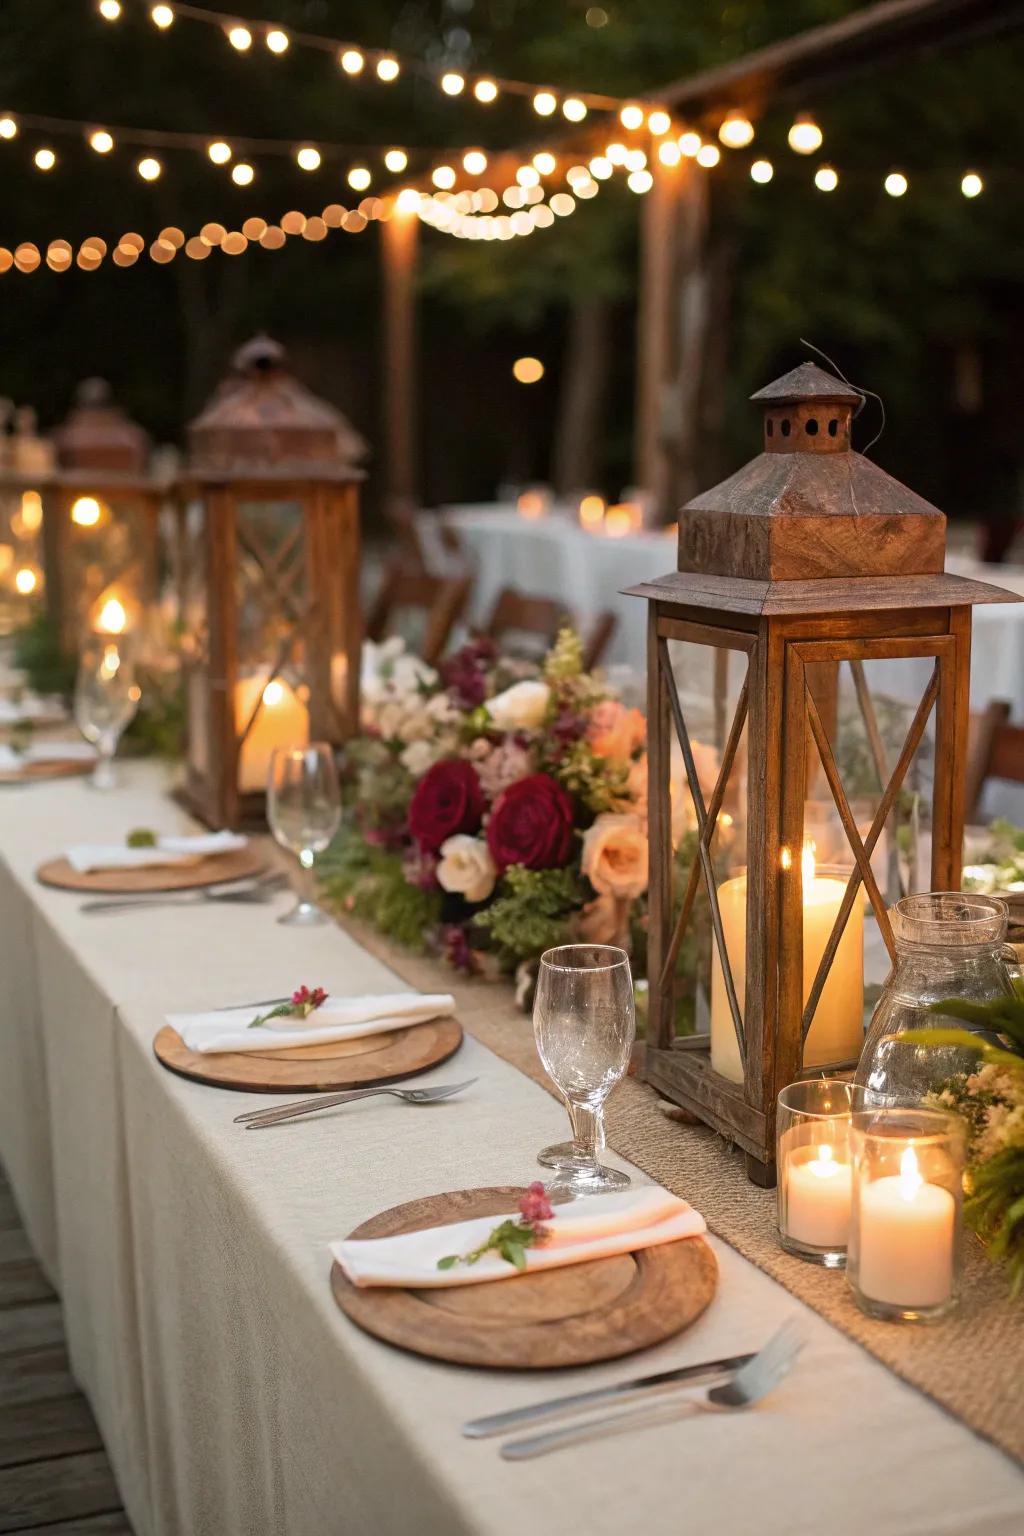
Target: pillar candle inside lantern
837 1030
283 721
906 1238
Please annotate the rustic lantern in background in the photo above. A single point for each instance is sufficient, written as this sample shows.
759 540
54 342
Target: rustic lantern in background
26 467
811 659
271 610
101 520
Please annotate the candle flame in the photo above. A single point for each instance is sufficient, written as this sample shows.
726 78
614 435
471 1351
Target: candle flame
824 1165
86 511
111 663
273 693
807 862
910 1174
113 619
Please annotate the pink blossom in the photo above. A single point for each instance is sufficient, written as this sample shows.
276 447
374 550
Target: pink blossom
535 1205
507 764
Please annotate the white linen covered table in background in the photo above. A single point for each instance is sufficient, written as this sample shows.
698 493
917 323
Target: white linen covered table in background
234 1398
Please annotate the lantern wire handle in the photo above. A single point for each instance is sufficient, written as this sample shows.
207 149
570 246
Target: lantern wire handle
864 393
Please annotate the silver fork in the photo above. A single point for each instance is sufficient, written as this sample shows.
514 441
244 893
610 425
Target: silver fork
260 1119
743 1389
254 892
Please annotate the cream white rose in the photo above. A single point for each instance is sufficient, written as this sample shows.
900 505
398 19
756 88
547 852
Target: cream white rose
466 866
615 856
521 707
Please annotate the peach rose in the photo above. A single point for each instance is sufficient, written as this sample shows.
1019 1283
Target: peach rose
600 921
616 731
615 856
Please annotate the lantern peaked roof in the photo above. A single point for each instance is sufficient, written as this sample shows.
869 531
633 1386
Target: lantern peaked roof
98 436
263 423
808 382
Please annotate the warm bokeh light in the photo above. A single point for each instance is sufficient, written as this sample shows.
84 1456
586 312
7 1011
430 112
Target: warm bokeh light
149 168
443 177
85 511
601 167
690 143
618 521
632 117
408 200
352 61
562 204
396 160
359 178
240 38
805 136
708 155
640 181
219 152
544 103
527 176
387 68
162 16
616 154
659 122
31 511
528 370
972 184
452 83
826 178
636 160
896 184
762 171
574 109
737 131
113 619
110 10
475 162
591 511
669 154
45 159
8 126
242 174
485 91
101 141
545 162
277 40
308 158
26 580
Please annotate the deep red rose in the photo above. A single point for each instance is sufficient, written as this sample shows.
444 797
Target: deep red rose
531 824
448 799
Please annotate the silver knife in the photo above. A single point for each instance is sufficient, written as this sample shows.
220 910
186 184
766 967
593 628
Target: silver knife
623 1391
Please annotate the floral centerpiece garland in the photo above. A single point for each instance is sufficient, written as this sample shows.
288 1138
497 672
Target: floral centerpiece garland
494 808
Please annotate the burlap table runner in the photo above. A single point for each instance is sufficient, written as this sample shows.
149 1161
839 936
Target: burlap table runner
971 1363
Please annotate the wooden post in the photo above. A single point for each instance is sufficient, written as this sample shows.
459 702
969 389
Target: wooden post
399 246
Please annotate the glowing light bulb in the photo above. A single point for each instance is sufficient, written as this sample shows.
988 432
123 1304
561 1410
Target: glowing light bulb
452 83
240 39
669 154
162 16
307 158
443 177
562 204
101 141
113 620
632 117
896 184
762 171
544 103
242 174
352 61
110 10
545 162
636 160
528 370
387 68
485 91
527 176
149 168
45 159
708 155
8 127
26 580
85 511
972 184
826 178
601 167
574 109
277 40
805 136
475 162
640 181
219 152
659 122
690 143
616 154
736 131
359 178
408 200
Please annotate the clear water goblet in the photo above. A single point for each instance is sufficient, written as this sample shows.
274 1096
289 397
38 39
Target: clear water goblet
304 810
106 698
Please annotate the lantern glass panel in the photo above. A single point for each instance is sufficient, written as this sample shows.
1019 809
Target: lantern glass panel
195 631
21 555
109 553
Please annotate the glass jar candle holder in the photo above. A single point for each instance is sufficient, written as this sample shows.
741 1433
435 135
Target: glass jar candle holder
904 1256
814 1170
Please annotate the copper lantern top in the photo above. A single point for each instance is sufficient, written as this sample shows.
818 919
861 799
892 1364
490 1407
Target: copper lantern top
262 423
809 506
98 437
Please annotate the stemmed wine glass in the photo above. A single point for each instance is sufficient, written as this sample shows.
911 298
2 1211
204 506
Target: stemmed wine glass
304 809
106 698
584 1024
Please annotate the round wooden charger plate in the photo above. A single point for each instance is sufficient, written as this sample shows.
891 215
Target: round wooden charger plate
215 869
31 773
312 1068
561 1317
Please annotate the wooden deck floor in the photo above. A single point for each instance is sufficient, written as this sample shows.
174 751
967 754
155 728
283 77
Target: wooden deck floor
54 1473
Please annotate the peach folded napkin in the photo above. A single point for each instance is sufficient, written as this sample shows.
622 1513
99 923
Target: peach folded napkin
342 1018
84 857
593 1227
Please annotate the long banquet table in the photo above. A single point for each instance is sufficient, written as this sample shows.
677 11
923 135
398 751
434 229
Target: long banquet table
191 1258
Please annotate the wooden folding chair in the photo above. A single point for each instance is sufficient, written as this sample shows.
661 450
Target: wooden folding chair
441 600
995 750
535 621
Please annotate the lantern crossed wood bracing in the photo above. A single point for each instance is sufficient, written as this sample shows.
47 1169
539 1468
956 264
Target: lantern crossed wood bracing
271 567
808 560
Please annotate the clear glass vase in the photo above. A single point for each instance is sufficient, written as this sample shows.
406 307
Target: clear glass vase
949 944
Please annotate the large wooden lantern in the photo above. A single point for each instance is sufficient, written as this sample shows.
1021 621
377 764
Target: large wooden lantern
101 520
808 670
271 571
26 468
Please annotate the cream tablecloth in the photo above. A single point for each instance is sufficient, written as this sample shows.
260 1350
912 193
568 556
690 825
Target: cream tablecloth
191 1256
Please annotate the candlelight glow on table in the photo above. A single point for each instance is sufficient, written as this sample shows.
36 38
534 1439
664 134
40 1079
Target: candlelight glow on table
837 1030
905 1214
814 1173
282 721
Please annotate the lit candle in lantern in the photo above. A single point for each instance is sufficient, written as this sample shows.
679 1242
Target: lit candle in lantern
818 1194
591 512
837 1030
532 505
618 521
283 721
906 1238
113 619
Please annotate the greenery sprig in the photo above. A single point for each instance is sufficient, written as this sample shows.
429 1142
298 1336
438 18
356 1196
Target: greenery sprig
511 1238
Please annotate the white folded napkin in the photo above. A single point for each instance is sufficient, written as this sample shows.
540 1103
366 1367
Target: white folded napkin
343 1018
593 1227
84 857
30 707
45 752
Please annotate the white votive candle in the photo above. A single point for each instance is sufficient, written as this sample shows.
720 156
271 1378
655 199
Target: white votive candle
818 1194
906 1235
